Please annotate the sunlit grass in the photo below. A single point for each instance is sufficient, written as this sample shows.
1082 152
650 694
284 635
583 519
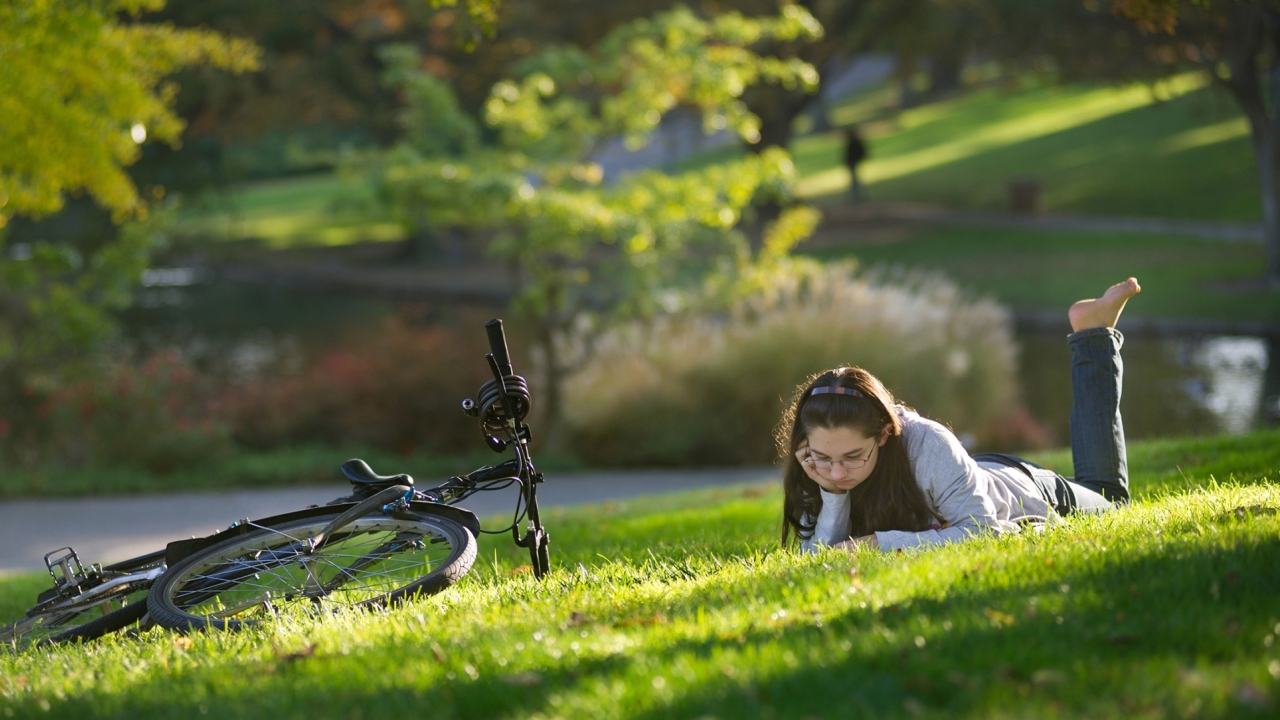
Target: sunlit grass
683 606
1181 150
1054 115
1181 276
313 210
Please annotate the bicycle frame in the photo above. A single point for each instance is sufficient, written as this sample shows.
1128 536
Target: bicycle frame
502 406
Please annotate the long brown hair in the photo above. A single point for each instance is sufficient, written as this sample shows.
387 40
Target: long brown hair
890 498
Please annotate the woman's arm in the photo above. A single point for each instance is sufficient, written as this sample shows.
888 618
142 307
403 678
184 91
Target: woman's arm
833 522
953 483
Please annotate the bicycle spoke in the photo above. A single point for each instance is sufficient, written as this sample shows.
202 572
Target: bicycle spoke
359 565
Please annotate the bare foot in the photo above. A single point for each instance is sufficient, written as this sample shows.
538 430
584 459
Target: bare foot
1103 311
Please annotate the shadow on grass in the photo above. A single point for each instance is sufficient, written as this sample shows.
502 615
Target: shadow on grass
1151 632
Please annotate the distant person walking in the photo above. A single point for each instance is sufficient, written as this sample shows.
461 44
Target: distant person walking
855 151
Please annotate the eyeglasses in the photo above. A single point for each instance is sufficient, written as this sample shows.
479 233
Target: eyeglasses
813 462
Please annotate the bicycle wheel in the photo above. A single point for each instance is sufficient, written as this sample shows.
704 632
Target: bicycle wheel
109 607
373 561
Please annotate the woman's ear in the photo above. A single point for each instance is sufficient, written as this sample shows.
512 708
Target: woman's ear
884 435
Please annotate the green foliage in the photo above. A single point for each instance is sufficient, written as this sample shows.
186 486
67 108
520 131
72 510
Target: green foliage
709 391
682 606
396 388
80 91
155 416
644 69
587 254
432 122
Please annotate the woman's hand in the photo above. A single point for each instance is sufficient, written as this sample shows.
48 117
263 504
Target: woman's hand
802 454
853 544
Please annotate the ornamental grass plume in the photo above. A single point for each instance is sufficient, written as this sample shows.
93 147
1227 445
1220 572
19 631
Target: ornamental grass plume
708 390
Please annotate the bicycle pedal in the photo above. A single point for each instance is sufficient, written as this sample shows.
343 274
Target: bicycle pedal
69 566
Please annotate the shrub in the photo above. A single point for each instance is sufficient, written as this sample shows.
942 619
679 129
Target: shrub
395 389
157 415
709 390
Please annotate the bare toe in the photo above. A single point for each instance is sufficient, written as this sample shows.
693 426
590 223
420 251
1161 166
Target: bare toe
1103 311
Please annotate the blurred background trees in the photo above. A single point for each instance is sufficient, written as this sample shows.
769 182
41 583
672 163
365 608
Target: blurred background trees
81 88
599 169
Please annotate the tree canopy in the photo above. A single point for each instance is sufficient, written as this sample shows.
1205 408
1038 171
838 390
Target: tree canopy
82 86
584 251
80 91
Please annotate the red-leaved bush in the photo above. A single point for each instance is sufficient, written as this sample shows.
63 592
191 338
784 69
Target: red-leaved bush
157 414
398 389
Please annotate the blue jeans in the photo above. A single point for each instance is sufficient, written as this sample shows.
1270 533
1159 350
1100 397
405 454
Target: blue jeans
1097 433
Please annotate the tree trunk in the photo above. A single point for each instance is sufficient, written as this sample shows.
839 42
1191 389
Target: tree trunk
1268 159
552 389
1269 403
1252 30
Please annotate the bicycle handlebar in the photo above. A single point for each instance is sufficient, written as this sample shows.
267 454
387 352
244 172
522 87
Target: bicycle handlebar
498 344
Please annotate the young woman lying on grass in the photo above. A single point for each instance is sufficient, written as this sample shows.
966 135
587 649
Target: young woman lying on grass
862 469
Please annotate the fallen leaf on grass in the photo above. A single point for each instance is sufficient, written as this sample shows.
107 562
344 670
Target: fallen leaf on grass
182 642
655 619
305 652
1245 512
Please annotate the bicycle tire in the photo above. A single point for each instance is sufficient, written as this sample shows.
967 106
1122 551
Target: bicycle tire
252 577
109 623
72 620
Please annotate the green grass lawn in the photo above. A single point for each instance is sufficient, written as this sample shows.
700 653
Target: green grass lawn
684 607
1104 151
1181 277
1181 152
309 210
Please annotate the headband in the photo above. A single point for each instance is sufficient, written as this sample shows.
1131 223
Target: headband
836 390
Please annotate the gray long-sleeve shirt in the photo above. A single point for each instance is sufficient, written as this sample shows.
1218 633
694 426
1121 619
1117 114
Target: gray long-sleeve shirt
971 497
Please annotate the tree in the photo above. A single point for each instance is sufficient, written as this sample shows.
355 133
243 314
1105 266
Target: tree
81 88
584 254
1237 42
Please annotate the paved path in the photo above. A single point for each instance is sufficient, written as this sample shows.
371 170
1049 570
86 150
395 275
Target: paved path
108 529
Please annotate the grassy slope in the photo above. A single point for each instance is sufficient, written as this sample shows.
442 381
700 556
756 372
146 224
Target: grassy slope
1181 277
308 210
1105 151
1109 150
681 607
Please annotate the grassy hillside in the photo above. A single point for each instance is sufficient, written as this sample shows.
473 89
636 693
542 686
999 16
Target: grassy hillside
1182 151
1181 276
309 210
1179 151
683 607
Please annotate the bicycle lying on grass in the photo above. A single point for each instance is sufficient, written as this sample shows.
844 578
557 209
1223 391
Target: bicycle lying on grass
382 544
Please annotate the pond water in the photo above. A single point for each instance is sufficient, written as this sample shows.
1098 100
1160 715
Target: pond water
1174 384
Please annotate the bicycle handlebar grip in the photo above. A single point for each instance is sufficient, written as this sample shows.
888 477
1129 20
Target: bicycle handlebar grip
498 344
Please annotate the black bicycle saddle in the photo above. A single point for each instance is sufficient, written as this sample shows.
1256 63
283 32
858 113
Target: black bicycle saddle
361 475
